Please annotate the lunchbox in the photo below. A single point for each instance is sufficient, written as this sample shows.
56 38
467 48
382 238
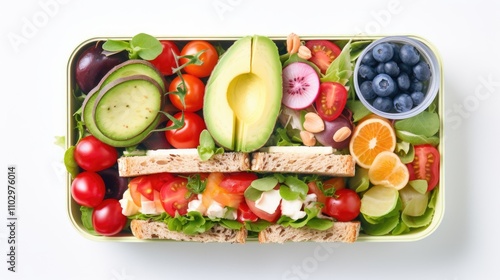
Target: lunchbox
73 208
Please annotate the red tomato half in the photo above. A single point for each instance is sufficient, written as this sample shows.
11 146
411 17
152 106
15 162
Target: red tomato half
425 165
323 53
167 60
93 155
238 182
107 217
331 100
187 136
209 57
245 214
88 189
175 196
263 214
194 89
344 205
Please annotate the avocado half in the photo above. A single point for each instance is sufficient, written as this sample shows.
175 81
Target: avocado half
243 94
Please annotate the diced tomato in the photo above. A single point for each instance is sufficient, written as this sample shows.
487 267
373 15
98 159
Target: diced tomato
263 214
215 192
425 165
238 182
245 214
175 196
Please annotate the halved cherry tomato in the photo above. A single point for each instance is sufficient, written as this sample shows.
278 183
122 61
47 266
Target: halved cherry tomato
313 188
238 182
331 100
175 196
323 53
245 214
209 57
425 165
344 205
148 186
263 214
215 192
194 89
187 136
167 60
337 183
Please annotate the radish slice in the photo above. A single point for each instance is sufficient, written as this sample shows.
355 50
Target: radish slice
300 85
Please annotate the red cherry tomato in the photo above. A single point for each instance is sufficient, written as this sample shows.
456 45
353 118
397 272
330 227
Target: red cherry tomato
209 58
331 100
107 217
187 136
263 214
167 60
323 53
175 196
343 206
313 188
244 214
425 165
238 182
94 155
88 189
195 90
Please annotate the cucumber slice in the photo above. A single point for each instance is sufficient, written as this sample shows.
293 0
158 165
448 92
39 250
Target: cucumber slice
125 69
379 201
127 106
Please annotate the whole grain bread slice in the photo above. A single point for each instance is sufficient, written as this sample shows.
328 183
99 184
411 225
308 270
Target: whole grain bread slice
144 229
321 164
346 232
182 163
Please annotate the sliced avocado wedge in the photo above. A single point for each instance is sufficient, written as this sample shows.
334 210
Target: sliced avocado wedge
243 94
127 106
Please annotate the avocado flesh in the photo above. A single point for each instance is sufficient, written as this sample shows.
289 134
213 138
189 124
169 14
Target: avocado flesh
243 95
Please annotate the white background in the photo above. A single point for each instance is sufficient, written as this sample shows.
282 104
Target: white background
33 71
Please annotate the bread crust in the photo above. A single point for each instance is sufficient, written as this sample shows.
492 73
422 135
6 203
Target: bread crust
182 163
145 229
321 164
346 232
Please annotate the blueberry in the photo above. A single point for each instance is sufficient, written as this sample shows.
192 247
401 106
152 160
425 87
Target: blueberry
403 81
395 49
383 85
391 68
409 54
366 72
417 97
367 90
383 104
416 85
405 68
382 52
422 71
403 102
368 59
380 68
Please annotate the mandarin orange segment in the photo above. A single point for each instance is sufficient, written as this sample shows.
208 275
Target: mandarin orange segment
371 137
388 170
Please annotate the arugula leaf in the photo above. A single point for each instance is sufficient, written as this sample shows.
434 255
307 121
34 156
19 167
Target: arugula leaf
231 224
195 184
358 110
357 48
287 194
417 139
257 226
87 219
296 186
207 148
360 182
